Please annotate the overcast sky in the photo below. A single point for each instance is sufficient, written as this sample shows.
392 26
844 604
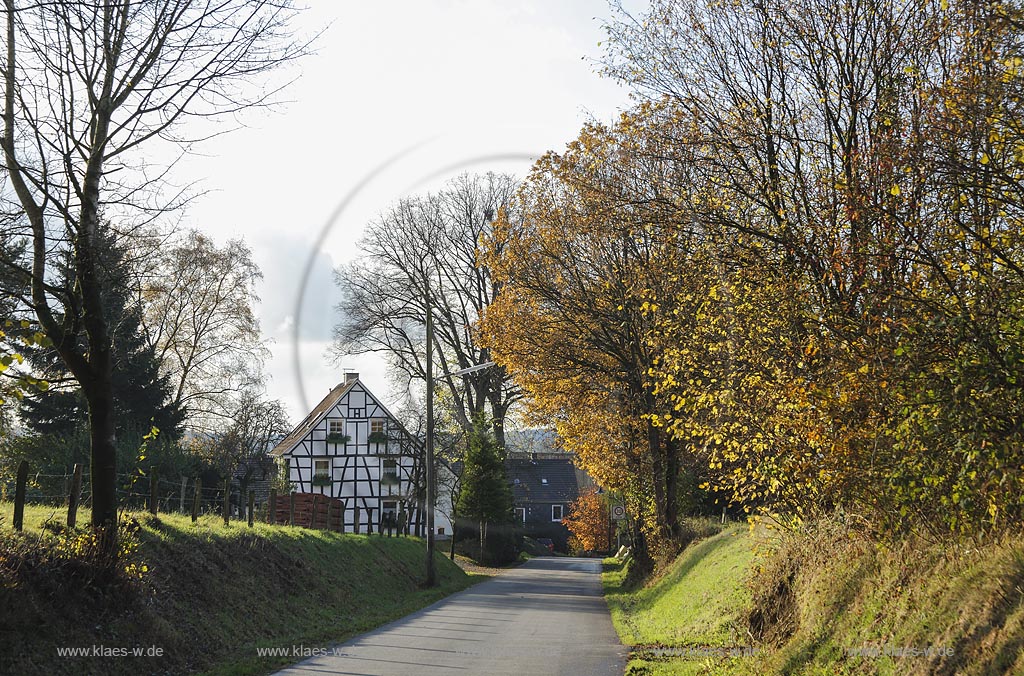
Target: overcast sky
397 96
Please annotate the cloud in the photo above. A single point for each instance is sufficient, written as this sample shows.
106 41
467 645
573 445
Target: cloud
282 261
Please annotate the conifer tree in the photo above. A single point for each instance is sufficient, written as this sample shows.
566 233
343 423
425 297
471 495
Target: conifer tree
142 396
485 496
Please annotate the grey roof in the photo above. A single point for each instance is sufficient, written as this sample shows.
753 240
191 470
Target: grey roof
561 485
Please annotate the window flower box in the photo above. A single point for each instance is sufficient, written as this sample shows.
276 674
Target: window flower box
322 480
377 438
336 438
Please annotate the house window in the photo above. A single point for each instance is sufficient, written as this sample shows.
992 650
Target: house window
336 432
322 469
388 476
556 512
544 481
378 434
521 515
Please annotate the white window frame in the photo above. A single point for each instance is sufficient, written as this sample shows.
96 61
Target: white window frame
331 426
521 515
378 421
392 489
561 513
326 474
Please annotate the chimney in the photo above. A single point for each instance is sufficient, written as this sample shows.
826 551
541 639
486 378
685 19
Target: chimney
349 377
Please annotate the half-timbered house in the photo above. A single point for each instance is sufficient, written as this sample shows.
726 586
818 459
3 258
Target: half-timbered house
350 447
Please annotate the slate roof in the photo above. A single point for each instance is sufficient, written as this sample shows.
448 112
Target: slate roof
313 418
561 487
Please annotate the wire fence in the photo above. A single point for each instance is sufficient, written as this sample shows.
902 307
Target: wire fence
135 492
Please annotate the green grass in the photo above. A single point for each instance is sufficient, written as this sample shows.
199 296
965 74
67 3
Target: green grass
847 594
697 601
209 597
966 606
696 604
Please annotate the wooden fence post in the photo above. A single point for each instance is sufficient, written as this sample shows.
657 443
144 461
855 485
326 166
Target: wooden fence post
355 518
181 502
75 495
154 488
19 495
272 507
227 501
291 508
330 503
195 500
252 505
312 516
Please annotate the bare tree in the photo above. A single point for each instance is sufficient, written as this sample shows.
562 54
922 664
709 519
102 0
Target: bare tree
87 88
240 448
424 247
200 318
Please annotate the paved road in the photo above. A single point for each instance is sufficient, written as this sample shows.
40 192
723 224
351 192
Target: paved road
545 617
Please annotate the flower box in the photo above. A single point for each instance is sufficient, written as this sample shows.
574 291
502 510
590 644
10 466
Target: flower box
377 438
336 438
322 480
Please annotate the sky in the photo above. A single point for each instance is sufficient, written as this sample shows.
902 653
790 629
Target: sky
397 97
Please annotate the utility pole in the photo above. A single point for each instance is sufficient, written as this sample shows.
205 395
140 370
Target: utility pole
429 474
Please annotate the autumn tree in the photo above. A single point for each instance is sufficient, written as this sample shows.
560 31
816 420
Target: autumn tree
589 522
578 271
88 87
855 166
424 247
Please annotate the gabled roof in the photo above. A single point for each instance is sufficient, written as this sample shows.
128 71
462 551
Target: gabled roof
314 418
543 480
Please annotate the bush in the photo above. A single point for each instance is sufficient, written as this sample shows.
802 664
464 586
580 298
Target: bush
504 542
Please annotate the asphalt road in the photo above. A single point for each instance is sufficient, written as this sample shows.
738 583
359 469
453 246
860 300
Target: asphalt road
546 617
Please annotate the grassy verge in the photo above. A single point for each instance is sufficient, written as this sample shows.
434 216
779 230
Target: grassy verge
915 610
823 602
695 606
207 595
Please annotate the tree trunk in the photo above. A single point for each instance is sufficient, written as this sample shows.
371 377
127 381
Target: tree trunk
643 563
498 422
659 473
100 398
671 450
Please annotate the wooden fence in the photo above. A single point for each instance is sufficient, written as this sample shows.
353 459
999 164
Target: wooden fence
309 510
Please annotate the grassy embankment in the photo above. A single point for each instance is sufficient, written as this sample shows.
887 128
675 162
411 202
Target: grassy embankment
209 595
825 603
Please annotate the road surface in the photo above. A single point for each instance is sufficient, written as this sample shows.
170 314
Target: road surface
546 617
